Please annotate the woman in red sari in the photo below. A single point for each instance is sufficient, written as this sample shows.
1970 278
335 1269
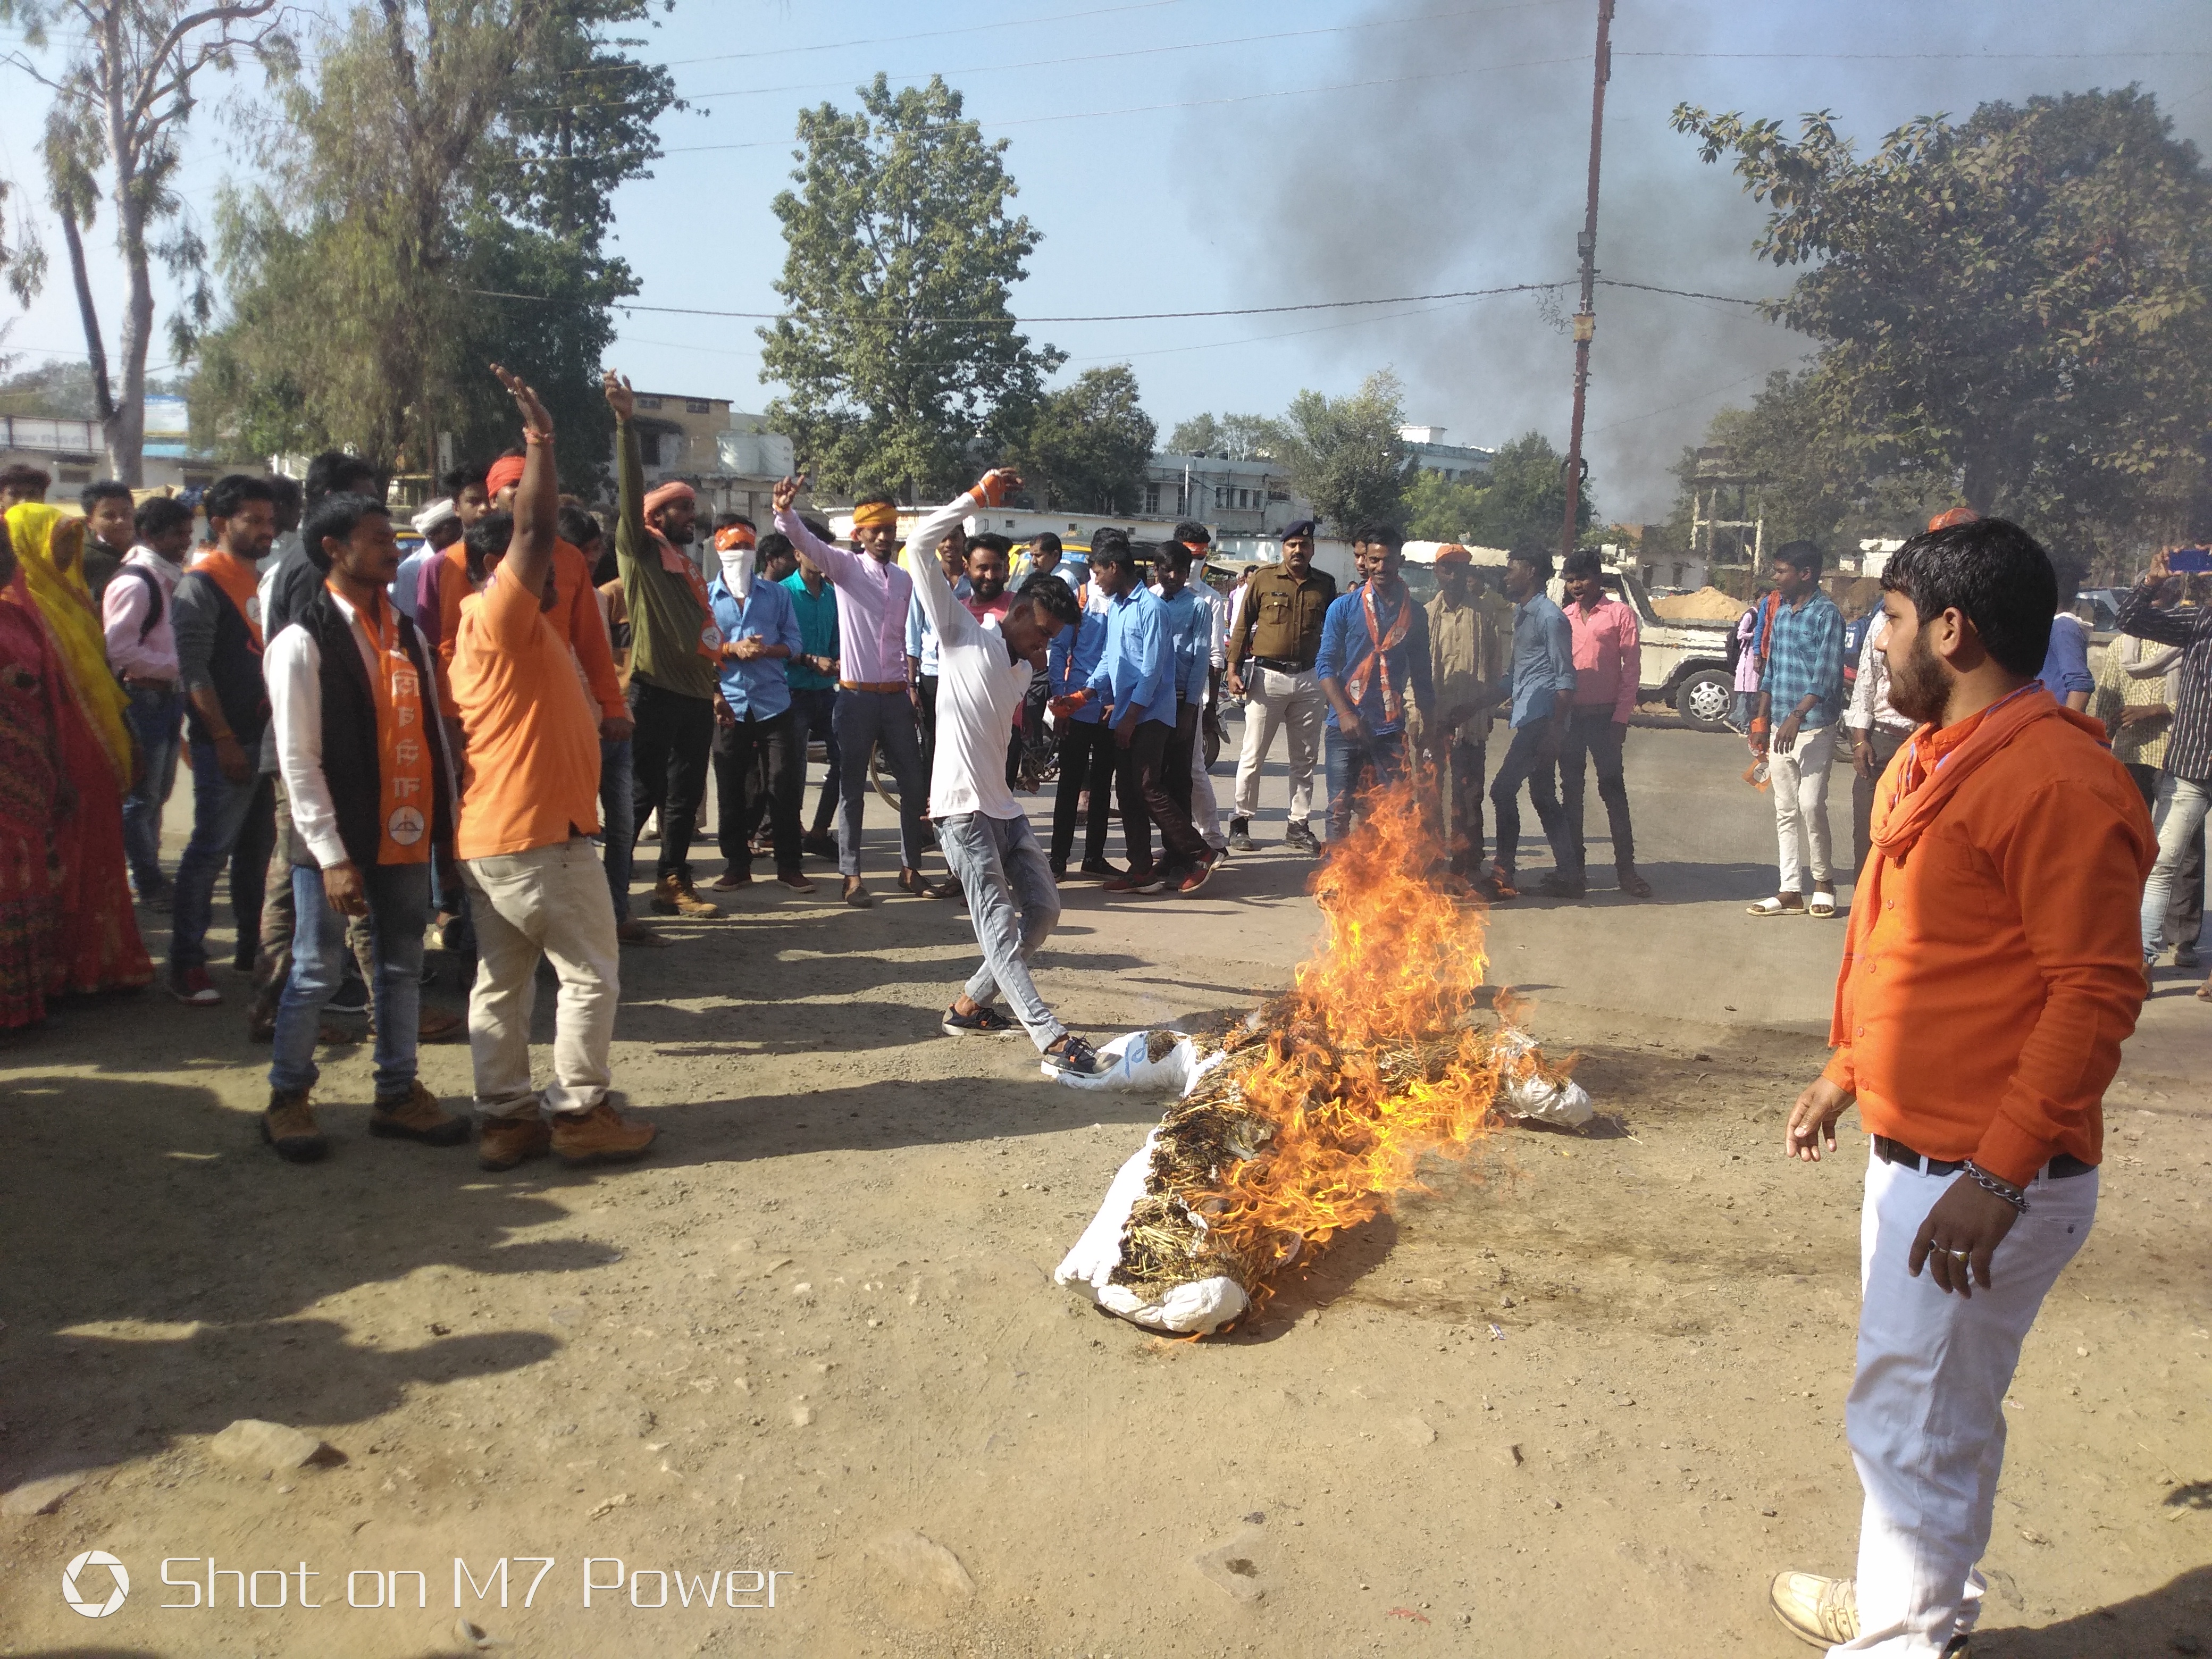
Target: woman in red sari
33 798
99 945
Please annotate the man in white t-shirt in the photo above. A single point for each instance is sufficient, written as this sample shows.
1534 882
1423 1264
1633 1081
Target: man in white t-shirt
984 667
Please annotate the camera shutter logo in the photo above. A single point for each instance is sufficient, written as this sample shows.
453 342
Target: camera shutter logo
89 1607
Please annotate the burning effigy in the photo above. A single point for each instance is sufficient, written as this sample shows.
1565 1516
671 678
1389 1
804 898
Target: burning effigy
1309 1115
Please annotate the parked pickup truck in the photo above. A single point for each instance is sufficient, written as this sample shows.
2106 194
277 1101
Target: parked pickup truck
1685 664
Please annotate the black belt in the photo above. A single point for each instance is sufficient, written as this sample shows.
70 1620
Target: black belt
1279 666
1896 1152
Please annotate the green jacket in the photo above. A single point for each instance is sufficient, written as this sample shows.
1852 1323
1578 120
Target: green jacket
666 619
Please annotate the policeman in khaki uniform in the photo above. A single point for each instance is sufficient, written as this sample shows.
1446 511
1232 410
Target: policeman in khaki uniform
1273 644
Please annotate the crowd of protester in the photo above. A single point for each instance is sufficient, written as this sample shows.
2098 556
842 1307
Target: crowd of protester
383 751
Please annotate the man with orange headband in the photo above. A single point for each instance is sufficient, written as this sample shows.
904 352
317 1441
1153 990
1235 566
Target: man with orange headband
873 704
676 650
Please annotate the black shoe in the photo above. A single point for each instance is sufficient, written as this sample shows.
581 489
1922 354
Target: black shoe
1059 867
350 998
1558 884
1071 1057
1239 836
1100 868
984 1022
1300 836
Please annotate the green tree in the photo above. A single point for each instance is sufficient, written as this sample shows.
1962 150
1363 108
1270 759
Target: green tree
1344 454
2018 306
1440 511
121 96
1808 486
1084 447
447 153
1232 437
1522 501
899 358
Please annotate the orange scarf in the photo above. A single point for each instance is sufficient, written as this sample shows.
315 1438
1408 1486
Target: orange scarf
1935 763
403 834
673 562
239 585
1355 687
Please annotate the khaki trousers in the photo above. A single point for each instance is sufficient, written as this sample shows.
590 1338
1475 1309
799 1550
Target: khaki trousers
1274 700
551 901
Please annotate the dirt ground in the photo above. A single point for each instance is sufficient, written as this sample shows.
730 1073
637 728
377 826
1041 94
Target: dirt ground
1583 1397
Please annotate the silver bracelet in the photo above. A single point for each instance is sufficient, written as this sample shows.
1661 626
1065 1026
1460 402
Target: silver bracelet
2003 1189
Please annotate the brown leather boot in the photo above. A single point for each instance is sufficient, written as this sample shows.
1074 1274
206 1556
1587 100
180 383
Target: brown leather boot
672 895
289 1126
416 1116
602 1135
507 1141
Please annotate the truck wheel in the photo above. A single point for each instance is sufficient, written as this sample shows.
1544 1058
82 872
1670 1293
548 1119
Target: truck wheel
1703 700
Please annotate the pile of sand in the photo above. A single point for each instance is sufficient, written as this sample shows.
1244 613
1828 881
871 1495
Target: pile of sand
1706 604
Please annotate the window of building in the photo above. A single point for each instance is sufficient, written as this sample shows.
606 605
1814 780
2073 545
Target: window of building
697 406
649 403
1220 495
1151 498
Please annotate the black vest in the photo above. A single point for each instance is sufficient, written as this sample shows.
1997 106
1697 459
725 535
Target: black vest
235 668
352 759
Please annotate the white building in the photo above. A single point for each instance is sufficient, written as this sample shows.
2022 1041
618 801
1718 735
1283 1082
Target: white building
1427 452
1232 498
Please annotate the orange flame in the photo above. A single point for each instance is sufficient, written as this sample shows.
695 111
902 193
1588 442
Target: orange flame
1350 1051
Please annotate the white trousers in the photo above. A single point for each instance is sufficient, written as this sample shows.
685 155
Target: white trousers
1800 782
550 901
1274 700
1204 809
1926 1414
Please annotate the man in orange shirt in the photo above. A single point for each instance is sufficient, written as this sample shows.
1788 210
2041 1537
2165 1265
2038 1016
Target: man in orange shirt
1991 971
529 809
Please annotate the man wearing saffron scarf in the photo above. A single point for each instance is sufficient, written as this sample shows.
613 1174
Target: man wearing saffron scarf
234 807
1374 669
676 651
1989 976
355 709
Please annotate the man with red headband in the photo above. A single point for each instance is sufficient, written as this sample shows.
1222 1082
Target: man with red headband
676 650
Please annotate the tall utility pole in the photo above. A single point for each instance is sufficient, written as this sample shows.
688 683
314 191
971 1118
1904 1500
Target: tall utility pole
1586 316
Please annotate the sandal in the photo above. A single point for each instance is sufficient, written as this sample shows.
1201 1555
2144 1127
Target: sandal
1823 903
984 1022
1780 905
1071 1057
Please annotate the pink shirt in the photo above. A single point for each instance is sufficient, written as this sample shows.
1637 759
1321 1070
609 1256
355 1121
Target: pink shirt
1608 660
872 599
122 612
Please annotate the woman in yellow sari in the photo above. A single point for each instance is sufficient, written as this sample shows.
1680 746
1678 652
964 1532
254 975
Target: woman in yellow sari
99 947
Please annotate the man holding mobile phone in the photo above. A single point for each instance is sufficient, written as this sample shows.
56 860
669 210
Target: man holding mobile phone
2184 783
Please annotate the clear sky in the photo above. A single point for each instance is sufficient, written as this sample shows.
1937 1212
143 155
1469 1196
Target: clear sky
1204 154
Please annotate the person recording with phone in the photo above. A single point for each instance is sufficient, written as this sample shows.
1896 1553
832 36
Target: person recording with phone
2184 783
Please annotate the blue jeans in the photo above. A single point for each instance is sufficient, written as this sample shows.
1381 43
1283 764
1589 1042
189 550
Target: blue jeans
617 821
1359 766
157 718
814 713
2177 815
1525 763
865 718
398 911
221 811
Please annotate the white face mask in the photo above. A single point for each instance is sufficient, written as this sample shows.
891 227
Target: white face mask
738 571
